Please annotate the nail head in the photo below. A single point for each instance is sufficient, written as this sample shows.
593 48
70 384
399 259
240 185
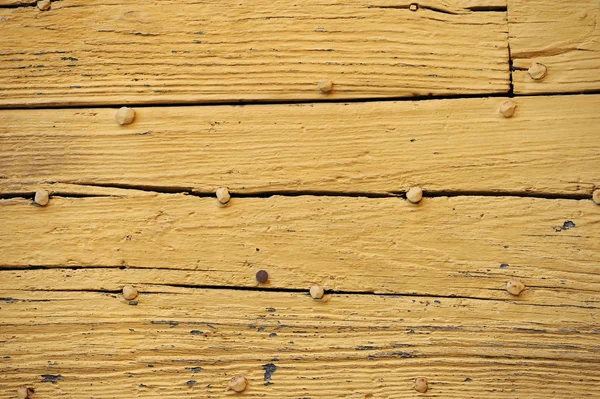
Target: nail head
129 292
515 287
262 276
317 292
414 7
421 384
414 195
238 384
537 71
596 196
42 197
223 195
507 108
44 5
23 392
325 86
125 115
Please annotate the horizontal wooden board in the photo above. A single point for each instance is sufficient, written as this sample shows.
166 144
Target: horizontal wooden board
189 344
564 36
461 246
106 52
12 3
549 146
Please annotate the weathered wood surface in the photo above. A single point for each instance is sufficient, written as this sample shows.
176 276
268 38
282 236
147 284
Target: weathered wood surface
106 52
564 36
11 3
463 246
550 146
190 343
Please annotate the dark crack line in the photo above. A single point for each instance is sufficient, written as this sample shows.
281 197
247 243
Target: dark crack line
313 193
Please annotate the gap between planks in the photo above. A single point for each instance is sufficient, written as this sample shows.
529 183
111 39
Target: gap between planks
267 194
509 94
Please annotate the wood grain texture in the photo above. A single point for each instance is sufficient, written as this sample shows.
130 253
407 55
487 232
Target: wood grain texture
550 146
106 52
190 343
13 3
461 246
564 36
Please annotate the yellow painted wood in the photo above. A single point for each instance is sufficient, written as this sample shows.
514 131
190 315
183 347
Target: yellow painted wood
106 52
564 36
190 343
12 3
27 189
462 246
550 146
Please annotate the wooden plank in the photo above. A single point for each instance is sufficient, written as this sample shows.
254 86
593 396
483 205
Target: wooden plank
13 3
550 146
106 52
562 35
353 346
461 246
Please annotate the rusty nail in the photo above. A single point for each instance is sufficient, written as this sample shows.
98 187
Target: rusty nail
507 108
537 71
237 384
42 197
515 287
125 115
44 5
262 276
325 86
317 292
596 196
223 195
23 392
129 293
421 384
414 195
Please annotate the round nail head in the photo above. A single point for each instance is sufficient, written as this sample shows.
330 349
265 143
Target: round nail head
42 197
317 292
507 108
125 115
537 71
129 293
23 392
421 384
238 384
262 276
515 287
44 5
325 86
223 195
596 196
414 195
